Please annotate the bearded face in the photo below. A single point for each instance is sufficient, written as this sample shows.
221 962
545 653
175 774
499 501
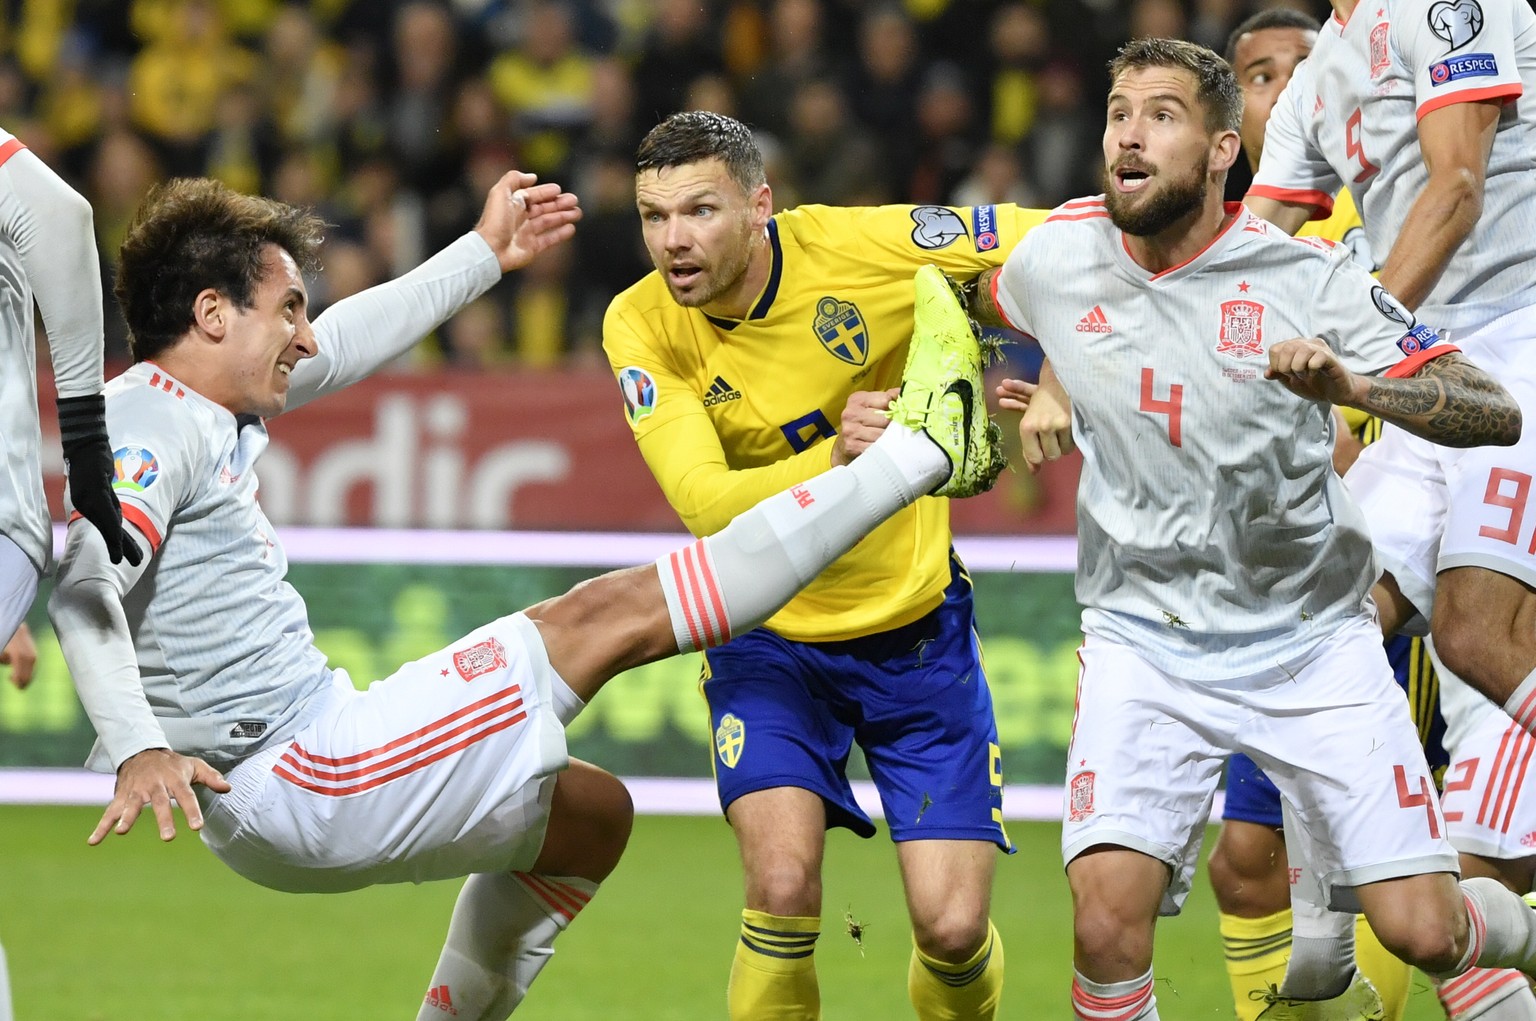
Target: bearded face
1143 201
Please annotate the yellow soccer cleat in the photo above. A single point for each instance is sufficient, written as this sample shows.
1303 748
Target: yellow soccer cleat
1357 1003
942 394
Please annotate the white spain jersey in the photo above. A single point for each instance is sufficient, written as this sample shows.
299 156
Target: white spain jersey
1213 533
46 249
225 652
1350 117
226 657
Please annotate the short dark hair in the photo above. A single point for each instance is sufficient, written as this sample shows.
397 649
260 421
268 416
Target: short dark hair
1216 86
1275 17
696 135
190 234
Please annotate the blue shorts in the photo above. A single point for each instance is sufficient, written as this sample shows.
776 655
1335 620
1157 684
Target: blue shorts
1252 798
786 714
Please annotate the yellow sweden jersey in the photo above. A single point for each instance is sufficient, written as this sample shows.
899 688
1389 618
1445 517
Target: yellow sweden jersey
728 412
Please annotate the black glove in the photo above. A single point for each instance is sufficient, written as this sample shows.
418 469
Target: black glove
88 460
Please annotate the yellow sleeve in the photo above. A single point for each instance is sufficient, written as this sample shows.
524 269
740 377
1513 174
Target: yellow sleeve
961 240
677 438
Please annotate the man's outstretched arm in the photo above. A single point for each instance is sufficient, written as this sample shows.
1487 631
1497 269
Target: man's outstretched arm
362 333
87 613
1448 401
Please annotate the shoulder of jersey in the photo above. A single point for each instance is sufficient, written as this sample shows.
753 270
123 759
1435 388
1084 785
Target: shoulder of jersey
1089 210
1257 230
836 227
153 393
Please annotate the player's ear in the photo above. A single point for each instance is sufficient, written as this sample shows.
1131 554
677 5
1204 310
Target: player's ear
1225 150
210 311
761 200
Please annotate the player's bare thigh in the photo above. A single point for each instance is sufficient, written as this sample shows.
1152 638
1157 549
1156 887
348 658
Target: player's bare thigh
1418 918
949 894
605 626
1249 871
1116 894
1485 628
782 834
590 818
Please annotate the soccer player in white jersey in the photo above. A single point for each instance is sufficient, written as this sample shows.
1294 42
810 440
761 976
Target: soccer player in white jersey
1224 573
60 271
1423 109
198 667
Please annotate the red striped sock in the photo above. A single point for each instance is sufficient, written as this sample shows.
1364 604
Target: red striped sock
1117 1001
1476 993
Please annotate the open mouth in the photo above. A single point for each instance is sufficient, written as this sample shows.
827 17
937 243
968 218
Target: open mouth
1130 179
682 276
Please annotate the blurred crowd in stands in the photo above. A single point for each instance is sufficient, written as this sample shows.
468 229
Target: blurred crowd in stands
393 117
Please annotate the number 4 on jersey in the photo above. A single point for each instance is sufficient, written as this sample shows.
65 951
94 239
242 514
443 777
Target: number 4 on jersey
1172 406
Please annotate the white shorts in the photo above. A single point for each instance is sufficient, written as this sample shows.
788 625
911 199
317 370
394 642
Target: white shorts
1486 810
1433 508
18 588
444 769
1331 729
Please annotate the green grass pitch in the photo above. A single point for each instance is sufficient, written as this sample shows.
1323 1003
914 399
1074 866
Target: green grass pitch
136 931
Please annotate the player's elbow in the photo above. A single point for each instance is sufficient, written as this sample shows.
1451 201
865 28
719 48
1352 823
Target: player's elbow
1462 190
79 602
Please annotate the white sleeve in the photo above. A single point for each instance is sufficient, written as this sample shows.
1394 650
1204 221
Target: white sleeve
1371 331
1458 53
157 457
51 226
1293 168
360 334
86 609
1010 286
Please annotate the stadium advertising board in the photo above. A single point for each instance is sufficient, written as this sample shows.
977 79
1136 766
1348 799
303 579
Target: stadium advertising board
369 618
525 450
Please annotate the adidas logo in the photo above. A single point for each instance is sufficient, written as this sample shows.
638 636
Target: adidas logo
1094 322
438 997
719 392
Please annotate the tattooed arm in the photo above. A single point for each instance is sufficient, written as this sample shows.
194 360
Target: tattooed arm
1448 401
979 301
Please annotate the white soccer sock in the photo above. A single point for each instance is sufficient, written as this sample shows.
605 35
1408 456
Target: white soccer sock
1488 995
1521 706
503 932
1502 929
1113 1001
1322 960
5 988
734 580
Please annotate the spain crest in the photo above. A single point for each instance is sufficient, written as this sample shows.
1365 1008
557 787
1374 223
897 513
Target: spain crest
1080 794
1242 329
840 327
480 658
730 736
1381 57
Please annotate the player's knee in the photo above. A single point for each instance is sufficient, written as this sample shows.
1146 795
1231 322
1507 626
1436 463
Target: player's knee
1435 946
1462 642
1426 931
591 816
1248 881
1108 937
788 887
953 935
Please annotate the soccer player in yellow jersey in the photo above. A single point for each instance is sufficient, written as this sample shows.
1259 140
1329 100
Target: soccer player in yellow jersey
762 351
